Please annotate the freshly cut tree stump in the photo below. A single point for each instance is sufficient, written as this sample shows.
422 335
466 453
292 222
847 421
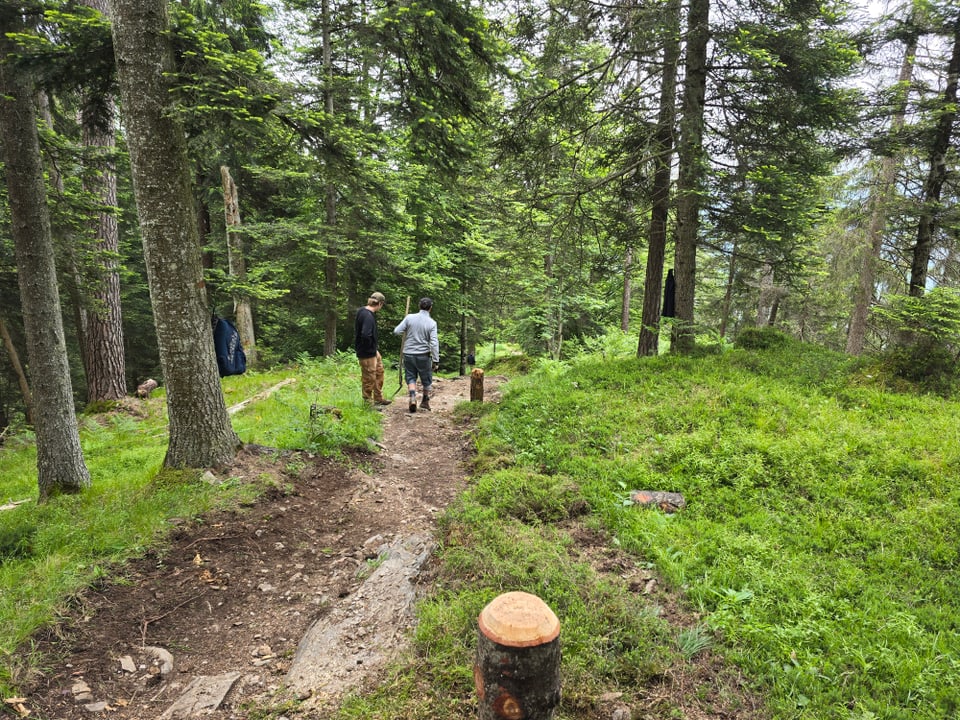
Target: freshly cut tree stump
476 385
517 671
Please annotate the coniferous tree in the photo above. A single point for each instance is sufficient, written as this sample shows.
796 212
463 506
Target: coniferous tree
101 327
200 430
939 145
60 463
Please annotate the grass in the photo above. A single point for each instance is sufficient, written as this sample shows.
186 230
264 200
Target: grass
821 538
817 555
49 552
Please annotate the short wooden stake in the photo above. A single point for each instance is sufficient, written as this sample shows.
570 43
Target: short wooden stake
517 671
476 385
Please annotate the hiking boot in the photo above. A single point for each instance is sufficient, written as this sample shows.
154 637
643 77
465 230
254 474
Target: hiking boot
382 401
425 404
413 406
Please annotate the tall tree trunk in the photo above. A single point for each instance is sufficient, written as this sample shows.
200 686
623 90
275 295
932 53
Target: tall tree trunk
767 295
690 178
102 339
200 430
17 370
879 204
774 307
463 343
330 268
60 464
237 265
660 208
937 174
728 290
627 289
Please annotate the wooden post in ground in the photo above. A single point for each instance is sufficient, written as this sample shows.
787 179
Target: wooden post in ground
476 385
517 670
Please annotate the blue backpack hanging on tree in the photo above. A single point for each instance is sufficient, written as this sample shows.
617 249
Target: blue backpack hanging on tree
231 360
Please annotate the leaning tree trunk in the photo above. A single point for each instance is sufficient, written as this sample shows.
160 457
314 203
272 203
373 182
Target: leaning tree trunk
690 178
200 430
17 370
649 340
60 464
237 264
937 174
879 206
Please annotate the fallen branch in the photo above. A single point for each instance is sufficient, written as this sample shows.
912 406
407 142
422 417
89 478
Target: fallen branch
259 396
12 505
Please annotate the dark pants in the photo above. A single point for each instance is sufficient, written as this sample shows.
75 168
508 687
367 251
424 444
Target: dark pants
418 366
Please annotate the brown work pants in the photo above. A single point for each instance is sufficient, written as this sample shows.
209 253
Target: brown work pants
371 378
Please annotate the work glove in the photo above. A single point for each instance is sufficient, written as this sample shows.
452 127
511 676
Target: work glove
436 366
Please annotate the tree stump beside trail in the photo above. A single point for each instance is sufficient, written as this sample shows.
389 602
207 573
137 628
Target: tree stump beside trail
517 670
145 388
476 385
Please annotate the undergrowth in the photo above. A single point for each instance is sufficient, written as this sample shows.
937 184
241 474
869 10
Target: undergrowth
821 535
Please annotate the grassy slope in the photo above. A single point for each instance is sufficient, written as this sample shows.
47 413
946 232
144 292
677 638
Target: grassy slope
819 543
823 524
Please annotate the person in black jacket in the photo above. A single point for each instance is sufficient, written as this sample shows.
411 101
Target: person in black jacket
368 354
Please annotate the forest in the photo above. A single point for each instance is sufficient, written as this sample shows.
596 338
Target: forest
544 171
766 187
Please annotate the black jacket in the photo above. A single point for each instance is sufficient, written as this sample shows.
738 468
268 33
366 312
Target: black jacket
365 337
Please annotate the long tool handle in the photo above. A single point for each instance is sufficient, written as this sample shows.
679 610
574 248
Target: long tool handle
403 341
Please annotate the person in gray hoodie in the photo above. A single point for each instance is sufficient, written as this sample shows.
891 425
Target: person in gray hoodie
421 352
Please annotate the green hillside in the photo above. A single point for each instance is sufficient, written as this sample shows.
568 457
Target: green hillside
814 567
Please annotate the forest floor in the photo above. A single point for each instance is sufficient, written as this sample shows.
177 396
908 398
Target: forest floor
308 591
229 598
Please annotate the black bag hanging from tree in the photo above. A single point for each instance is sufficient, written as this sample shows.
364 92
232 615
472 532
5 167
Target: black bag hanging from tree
231 360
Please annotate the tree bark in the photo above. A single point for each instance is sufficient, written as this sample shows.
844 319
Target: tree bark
18 371
463 343
476 385
200 430
728 290
690 178
101 341
237 265
331 264
767 295
937 174
60 464
879 203
649 340
627 294
517 671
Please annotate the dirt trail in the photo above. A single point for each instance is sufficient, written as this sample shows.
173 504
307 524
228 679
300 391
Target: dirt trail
242 603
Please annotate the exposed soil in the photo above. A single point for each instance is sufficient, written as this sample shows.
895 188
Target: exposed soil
220 620
232 596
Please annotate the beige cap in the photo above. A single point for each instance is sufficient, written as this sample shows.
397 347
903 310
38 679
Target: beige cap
379 297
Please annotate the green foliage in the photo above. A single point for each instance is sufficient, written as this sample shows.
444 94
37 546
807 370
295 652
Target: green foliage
929 327
283 419
765 338
819 542
529 498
